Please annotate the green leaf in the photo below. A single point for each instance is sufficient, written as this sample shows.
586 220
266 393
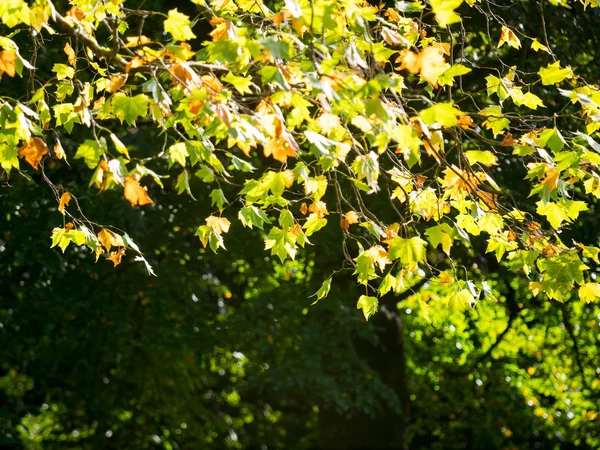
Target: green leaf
63 71
369 305
129 108
91 151
444 114
178 25
177 154
121 148
388 283
323 290
183 184
552 73
314 224
252 216
241 84
495 120
560 273
447 78
441 234
485 157
557 213
410 251
217 198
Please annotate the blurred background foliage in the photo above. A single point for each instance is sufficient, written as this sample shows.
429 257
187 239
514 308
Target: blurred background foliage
226 351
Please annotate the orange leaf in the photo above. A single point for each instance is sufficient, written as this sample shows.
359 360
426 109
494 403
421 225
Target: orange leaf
115 83
64 201
59 152
116 257
350 218
135 193
303 208
71 56
464 122
76 13
7 62
108 239
33 151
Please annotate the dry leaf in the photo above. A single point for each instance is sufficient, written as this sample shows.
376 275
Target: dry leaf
508 140
135 193
116 257
303 208
33 151
134 41
64 201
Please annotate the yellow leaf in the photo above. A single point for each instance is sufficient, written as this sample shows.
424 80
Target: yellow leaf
218 224
135 193
328 122
361 123
378 256
64 201
589 292
33 151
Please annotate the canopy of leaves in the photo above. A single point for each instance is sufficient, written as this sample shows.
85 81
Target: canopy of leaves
201 169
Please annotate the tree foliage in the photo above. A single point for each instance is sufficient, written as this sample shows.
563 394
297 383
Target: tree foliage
447 150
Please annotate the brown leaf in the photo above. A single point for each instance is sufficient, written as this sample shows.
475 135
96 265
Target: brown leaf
64 201
508 140
33 151
135 193
303 208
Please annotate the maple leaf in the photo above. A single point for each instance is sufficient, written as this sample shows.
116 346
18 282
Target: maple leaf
220 225
116 257
109 239
349 218
319 208
379 256
115 83
136 194
59 152
7 63
33 151
64 201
